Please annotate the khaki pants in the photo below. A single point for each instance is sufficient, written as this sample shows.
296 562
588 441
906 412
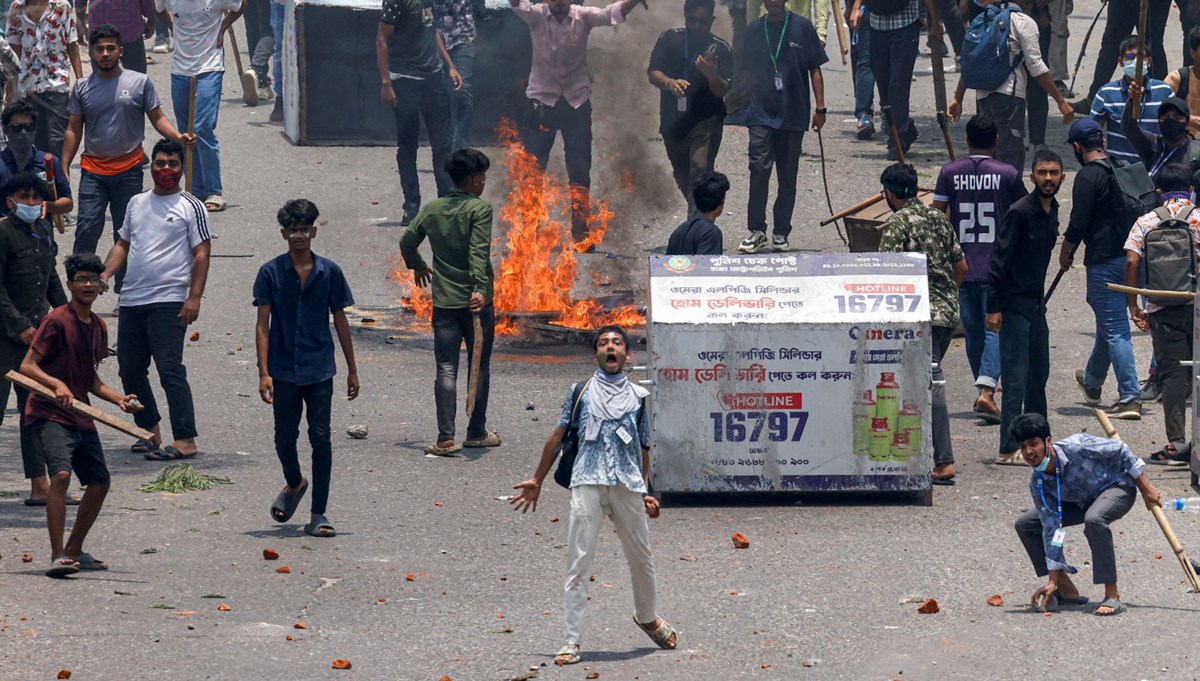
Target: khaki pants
590 504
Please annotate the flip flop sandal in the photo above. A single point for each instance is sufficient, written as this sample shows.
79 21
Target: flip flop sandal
62 567
89 562
215 203
314 527
933 479
568 654
1116 606
434 450
143 446
489 440
660 632
168 453
1078 600
285 504
41 503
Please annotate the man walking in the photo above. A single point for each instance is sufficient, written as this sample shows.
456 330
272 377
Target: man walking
165 241
20 124
1082 480
409 54
456 27
692 67
1015 299
779 67
894 40
1121 20
978 191
42 33
560 89
63 355
295 294
28 280
459 228
917 228
113 104
606 419
1113 98
862 75
199 30
1169 320
260 43
1097 222
699 235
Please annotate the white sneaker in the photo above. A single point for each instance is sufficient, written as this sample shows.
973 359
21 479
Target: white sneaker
757 241
779 243
160 48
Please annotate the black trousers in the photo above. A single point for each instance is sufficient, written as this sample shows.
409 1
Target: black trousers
417 100
451 328
1122 22
148 332
541 126
315 402
1024 369
779 150
1171 332
260 39
11 354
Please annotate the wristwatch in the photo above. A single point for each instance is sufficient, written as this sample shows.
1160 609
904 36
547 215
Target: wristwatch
822 110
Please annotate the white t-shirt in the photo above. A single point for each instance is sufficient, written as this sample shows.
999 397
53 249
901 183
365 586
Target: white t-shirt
161 231
1023 42
197 23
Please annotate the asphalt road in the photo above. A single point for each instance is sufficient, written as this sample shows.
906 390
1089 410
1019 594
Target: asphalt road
816 596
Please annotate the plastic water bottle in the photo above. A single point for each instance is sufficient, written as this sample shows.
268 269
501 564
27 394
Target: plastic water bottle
1182 504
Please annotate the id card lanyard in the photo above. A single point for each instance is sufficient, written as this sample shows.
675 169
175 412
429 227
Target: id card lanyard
778 46
1060 534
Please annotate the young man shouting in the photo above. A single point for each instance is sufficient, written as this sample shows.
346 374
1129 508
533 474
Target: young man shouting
607 417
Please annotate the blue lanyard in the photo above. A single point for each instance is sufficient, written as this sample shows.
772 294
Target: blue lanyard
1042 491
1163 161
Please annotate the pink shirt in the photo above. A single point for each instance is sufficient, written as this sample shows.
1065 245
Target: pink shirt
560 50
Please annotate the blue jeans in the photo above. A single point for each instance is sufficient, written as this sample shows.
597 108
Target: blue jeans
290 401
983 346
1025 362
206 167
1112 344
463 101
277 19
864 77
96 194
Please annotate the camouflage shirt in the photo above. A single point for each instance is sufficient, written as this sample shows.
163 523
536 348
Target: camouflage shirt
917 228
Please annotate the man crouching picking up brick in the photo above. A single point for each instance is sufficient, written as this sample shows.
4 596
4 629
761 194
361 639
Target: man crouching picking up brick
606 416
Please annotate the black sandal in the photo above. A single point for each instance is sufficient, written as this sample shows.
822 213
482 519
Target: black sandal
285 504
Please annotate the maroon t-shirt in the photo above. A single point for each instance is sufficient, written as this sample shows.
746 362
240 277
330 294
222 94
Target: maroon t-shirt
70 351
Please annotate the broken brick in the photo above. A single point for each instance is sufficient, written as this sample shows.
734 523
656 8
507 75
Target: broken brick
929 607
996 600
341 664
270 554
740 541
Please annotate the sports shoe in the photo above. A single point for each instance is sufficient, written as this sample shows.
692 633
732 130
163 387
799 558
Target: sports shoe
866 127
779 243
1082 107
1090 395
909 136
265 93
276 112
757 241
1130 410
162 46
1151 390
410 214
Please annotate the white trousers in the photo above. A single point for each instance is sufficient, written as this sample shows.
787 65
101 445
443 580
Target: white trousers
590 504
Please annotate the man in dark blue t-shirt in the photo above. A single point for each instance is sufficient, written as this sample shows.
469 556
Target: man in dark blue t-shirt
700 234
780 54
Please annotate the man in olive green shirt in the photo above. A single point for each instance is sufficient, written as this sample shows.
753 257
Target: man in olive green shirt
29 287
459 228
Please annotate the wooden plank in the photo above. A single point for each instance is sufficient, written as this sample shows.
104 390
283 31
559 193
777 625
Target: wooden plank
1151 293
82 407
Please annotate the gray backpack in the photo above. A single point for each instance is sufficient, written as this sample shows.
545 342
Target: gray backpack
1171 257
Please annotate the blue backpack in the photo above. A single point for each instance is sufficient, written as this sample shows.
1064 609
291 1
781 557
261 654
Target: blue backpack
985 61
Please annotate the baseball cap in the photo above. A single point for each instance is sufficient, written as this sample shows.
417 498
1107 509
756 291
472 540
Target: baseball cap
1084 129
1178 103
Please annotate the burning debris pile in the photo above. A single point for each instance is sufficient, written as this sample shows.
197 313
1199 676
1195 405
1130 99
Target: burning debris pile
538 263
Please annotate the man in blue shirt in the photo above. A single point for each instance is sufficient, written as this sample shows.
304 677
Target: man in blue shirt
1110 101
607 417
20 126
1082 480
295 294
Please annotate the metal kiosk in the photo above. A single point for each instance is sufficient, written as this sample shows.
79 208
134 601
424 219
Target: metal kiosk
791 372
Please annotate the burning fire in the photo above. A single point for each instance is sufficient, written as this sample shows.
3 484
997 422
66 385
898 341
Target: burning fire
537 272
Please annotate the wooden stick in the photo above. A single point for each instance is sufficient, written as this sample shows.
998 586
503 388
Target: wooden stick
191 153
1111 432
53 189
852 209
1151 292
476 361
1141 50
82 407
841 31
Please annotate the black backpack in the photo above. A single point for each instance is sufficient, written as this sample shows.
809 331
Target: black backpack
1171 256
1136 196
885 7
1185 81
569 448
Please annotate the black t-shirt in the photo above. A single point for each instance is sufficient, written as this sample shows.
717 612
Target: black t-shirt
697 236
1096 220
675 55
800 51
412 49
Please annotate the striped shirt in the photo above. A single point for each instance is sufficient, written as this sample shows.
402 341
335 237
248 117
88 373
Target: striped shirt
897 21
1109 104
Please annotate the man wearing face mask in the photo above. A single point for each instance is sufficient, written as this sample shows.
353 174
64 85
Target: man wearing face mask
917 228
1173 146
20 123
28 280
1112 100
1081 480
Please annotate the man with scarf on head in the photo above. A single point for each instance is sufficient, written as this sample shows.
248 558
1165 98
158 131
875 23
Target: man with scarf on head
917 228
28 281
1081 480
607 416
20 125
